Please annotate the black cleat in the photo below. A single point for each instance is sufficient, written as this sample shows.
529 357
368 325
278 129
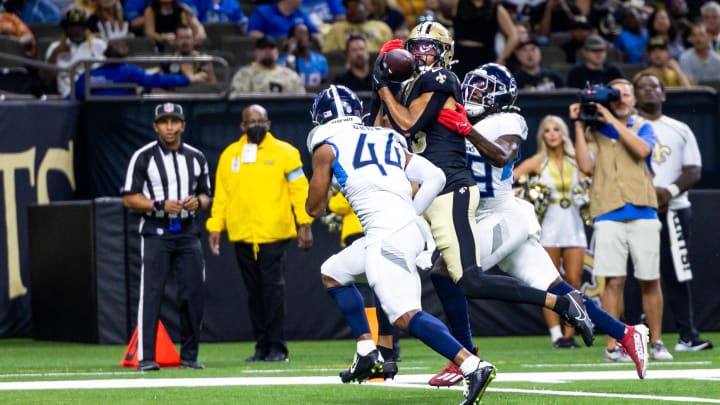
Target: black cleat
389 371
363 367
148 365
476 383
194 364
577 317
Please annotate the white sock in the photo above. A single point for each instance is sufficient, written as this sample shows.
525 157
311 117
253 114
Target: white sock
469 365
364 347
555 333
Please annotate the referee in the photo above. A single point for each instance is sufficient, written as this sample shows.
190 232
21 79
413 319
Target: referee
167 180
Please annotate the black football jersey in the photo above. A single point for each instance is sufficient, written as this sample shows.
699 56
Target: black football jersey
443 147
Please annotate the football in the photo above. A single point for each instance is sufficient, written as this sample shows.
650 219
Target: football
400 63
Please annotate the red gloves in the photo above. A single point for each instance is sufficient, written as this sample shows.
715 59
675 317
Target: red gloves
390 45
455 121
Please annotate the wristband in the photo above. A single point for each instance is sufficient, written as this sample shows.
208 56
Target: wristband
158 205
673 189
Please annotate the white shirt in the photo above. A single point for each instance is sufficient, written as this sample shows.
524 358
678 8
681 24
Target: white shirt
94 49
370 168
675 147
495 183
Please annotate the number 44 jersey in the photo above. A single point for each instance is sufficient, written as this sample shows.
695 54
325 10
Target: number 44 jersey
370 169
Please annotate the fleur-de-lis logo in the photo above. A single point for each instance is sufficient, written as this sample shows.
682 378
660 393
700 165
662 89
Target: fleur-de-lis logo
660 152
441 78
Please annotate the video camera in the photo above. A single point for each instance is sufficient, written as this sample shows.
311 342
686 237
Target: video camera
591 95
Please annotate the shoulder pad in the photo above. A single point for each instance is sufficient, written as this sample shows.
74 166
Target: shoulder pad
317 136
439 80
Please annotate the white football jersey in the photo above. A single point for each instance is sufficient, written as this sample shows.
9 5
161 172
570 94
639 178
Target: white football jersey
675 147
370 168
495 183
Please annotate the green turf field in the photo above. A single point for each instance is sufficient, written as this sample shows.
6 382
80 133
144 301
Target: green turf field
529 372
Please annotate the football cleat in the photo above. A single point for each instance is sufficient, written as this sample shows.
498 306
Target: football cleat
693 345
617 355
565 343
659 352
634 344
476 383
577 317
363 367
389 371
448 377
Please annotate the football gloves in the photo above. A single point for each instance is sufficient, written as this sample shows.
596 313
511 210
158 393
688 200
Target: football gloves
391 45
455 121
380 73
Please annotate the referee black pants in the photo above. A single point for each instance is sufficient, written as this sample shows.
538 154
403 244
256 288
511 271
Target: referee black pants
265 283
160 255
676 295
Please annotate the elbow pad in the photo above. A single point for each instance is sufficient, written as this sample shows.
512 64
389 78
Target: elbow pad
430 177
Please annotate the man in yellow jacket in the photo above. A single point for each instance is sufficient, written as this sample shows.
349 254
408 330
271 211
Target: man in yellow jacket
260 202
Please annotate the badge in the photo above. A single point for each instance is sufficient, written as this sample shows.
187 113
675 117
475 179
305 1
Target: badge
564 202
235 165
440 78
249 154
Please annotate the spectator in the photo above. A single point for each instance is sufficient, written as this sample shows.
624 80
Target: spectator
412 9
633 38
531 75
594 70
379 10
185 46
260 201
557 15
170 238
163 17
677 169
473 46
435 10
264 75
34 11
357 77
604 16
710 12
665 68
563 228
75 43
275 20
580 30
11 26
660 25
700 63
623 206
376 33
126 73
221 11
135 13
323 12
311 66
108 20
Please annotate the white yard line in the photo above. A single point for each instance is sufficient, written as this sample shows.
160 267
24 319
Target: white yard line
617 364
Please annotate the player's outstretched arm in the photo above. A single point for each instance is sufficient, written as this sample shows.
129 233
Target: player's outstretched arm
322 160
498 153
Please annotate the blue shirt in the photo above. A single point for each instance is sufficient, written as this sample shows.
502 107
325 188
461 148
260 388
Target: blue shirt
126 73
632 45
135 8
270 21
312 71
223 12
40 11
630 212
325 10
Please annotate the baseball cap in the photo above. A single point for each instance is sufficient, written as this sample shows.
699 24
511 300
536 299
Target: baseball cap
528 41
657 43
579 22
594 43
169 110
265 42
74 16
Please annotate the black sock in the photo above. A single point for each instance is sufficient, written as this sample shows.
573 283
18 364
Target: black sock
562 304
387 352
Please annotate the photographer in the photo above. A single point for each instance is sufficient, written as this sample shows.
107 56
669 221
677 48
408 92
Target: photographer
623 205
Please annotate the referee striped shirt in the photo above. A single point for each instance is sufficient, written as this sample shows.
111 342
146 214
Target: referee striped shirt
162 174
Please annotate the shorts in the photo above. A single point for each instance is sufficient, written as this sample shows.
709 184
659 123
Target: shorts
615 240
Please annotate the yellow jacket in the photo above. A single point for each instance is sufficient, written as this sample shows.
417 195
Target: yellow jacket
351 224
255 200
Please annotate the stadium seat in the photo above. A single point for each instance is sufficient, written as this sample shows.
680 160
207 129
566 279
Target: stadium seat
552 55
558 38
45 30
42 44
242 47
139 46
630 69
216 31
10 47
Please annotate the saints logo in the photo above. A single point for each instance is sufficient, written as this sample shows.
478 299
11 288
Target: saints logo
660 153
441 78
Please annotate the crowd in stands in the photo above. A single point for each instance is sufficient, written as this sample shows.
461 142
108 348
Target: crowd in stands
546 44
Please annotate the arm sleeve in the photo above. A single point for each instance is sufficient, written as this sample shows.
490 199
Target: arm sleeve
432 180
135 176
691 152
216 222
647 134
298 187
339 205
203 184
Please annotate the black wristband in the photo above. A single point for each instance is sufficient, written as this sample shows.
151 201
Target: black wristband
158 205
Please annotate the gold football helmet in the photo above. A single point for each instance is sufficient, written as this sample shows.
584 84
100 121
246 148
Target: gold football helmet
431 36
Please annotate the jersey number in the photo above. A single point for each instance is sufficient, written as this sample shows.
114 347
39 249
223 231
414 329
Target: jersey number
373 160
486 178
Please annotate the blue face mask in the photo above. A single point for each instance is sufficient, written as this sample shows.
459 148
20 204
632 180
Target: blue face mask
256 133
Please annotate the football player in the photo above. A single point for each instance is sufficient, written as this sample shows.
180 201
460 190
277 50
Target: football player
451 215
489 94
374 171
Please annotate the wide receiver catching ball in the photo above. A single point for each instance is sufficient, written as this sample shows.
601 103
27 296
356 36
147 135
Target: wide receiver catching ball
400 64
